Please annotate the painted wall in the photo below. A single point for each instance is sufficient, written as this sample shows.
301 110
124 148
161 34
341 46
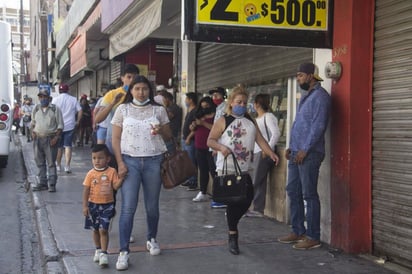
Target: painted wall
351 126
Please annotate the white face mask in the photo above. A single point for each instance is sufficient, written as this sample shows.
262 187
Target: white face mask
138 103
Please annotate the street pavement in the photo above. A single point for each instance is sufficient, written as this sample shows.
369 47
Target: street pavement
192 236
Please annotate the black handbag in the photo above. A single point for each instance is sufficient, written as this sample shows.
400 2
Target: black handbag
231 188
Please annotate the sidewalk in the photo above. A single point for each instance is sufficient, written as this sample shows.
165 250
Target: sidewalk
192 236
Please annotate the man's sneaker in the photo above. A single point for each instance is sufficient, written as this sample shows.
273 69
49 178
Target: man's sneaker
103 260
153 247
186 184
123 261
96 256
200 197
39 187
291 238
252 213
67 169
58 168
214 204
131 239
307 244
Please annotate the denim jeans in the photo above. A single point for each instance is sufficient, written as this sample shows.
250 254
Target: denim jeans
145 172
190 148
303 185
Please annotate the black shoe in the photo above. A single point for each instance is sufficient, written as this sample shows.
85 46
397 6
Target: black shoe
192 187
186 184
39 187
233 245
52 188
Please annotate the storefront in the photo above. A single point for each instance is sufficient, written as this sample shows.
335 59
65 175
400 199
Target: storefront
392 132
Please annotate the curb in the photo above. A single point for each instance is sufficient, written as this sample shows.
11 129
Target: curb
48 247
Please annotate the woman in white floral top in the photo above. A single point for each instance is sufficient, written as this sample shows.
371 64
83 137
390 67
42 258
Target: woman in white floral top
239 138
140 126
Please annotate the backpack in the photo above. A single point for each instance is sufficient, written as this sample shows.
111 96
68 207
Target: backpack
37 108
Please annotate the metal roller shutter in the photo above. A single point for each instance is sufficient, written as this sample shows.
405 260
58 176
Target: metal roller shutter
392 132
115 71
227 65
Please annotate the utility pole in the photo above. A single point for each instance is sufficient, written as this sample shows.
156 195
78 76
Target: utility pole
43 43
22 54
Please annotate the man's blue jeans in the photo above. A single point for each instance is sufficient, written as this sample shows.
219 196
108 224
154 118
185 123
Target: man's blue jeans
190 148
303 185
145 172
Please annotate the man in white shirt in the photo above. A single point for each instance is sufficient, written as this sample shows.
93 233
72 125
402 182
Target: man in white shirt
69 106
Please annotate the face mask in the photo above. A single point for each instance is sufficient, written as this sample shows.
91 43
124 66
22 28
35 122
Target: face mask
44 102
239 110
92 105
126 88
187 105
305 86
138 103
217 101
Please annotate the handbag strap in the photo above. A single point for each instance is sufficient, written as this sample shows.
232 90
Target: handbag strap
238 171
266 127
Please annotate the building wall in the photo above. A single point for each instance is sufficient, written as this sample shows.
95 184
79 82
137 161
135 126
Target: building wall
351 126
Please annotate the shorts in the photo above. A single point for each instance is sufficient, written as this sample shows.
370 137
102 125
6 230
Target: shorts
99 216
101 133
66 139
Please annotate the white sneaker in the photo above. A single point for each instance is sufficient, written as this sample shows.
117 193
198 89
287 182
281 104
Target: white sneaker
96 256
103 260
153 247
67 169
200 197
131 240
58 168
123 261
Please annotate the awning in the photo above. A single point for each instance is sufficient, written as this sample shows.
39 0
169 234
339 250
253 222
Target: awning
137 29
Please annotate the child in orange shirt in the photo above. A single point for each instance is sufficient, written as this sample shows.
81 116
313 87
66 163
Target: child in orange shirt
98 200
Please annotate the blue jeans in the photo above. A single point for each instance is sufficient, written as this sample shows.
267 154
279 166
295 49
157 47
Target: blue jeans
191 151
145 172
303 185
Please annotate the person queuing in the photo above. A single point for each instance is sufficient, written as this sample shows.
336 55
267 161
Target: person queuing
262 164
205 114
140 129
47 126
238 138
305 154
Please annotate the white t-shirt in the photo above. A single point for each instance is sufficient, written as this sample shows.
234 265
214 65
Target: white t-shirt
135 121
272 130
106 122
69 106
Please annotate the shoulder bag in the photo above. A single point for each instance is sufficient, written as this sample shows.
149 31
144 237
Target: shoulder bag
231 188
176 168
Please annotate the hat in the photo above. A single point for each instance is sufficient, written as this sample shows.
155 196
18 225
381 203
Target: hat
63 87
310 68
218 89
44 92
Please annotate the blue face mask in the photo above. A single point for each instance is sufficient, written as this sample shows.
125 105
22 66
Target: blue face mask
126 88
187 105
239 110
44 102
138 103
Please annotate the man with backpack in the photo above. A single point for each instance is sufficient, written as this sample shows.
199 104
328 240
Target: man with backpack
47 126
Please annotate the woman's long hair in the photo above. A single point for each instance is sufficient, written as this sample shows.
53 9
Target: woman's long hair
199 110
137 80
263 100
